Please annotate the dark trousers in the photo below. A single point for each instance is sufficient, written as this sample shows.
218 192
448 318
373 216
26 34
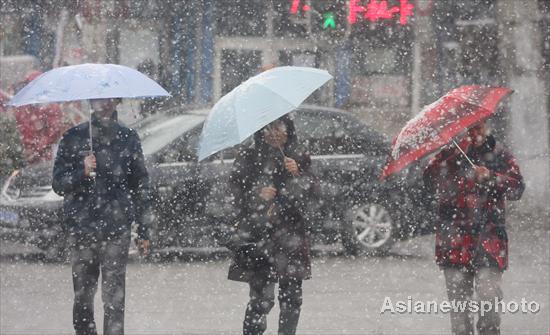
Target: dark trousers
89 258
460 287
262 300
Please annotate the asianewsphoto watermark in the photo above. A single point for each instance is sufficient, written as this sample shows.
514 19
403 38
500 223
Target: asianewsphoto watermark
411 306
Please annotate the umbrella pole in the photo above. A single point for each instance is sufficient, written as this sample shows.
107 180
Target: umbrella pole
90 128
463 153
92 173
282 152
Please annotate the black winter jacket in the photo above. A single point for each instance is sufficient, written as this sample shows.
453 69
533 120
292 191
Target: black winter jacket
107 205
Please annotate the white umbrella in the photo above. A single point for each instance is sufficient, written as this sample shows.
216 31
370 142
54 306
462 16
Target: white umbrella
255 103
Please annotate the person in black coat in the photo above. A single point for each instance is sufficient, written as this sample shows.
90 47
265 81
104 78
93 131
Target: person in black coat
271 183
105 190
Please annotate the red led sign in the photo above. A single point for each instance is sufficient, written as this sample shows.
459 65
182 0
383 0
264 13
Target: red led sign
372 10
295 7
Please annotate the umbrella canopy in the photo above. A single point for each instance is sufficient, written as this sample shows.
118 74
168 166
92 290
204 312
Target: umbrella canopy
256 103
87 81
437 124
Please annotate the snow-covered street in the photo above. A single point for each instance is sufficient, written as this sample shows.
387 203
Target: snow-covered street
345 295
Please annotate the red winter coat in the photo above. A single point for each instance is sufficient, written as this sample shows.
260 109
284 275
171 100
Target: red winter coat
40 126
471 231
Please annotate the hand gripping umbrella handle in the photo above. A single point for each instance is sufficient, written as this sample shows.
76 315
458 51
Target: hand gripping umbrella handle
468 158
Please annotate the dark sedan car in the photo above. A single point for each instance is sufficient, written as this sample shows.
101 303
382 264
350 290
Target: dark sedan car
192 202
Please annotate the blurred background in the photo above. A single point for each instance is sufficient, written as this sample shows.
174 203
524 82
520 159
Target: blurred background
389 58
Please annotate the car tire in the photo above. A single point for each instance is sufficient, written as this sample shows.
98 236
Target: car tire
369 229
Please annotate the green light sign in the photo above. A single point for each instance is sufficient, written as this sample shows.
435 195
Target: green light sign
329 21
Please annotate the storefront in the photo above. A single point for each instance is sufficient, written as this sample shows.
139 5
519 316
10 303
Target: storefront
251 37
367 49
467 40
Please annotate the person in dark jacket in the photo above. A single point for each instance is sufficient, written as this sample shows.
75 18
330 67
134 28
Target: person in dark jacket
471 242
99 210
271 183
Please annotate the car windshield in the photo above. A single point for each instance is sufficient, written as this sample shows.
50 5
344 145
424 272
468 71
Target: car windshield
155 135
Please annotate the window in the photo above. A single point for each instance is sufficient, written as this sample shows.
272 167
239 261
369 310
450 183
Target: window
184 149
367 140
324 135
241 18
238 66
385 50
230 153
287 24
468 32
299 58
163 131
479 61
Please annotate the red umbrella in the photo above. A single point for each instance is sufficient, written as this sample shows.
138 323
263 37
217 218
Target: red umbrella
437 124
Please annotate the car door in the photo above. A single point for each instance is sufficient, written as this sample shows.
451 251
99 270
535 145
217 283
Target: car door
341 149
215 171
342 155
372 145
179 193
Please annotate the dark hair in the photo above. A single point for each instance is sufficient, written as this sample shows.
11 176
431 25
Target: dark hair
262 145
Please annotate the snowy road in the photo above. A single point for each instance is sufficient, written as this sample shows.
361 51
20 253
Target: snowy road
344 297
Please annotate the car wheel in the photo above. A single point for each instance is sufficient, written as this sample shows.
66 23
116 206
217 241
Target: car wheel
369 229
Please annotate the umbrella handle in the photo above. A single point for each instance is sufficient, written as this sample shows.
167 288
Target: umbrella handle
284 157
468 158
463 153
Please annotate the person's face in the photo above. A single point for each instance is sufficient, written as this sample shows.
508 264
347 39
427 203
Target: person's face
275 134
104 108
478 133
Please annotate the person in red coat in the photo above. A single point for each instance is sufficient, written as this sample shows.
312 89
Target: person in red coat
11 150
471 241
41 126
